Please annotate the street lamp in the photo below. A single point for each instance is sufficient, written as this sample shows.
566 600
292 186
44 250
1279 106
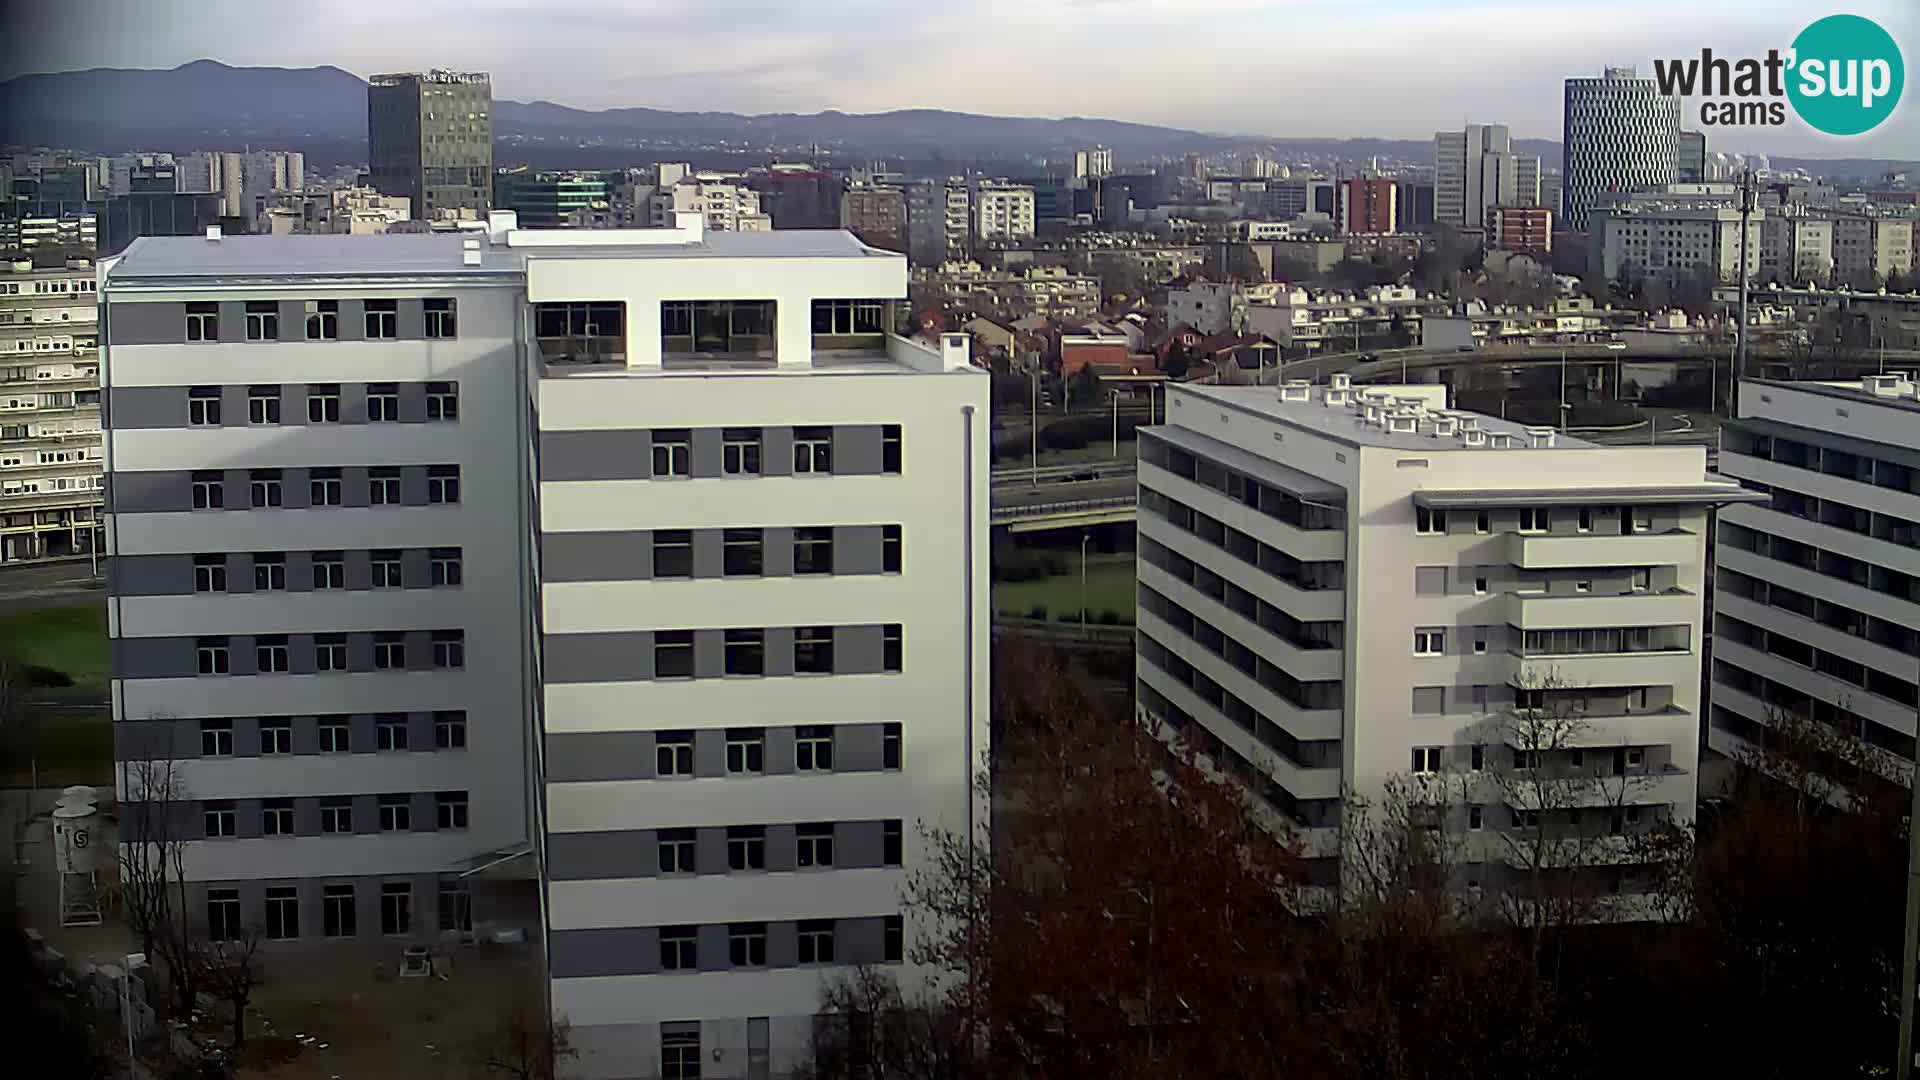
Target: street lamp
1084 539
1033 421
1116 423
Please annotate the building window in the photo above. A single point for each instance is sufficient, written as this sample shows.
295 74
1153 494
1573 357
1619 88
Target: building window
443 484
889 549
813 748
742 553
396 813
456 908
440 322
219 819
813 650
673 753
276 734
383 319
740 451
449 649
323 403
746 750
813 550
746 652
1534 519
336 815
1642 580
892 842
844 317
1483 523
396 907
324 487
203 322
1428 521
1476 818
893 936
330 652
816 941
673 654
389 651
1479 586
323 320
680 1051
747 944
383 403
263 487
209 491
445 566
443 401
815 845
672 553
1585 523
450 809
223 914
216 738
269 572
813 450
891 647
209 573
390 731
283 909
1479 641
383 486
203 406
1426 760
385 567
211 655
336 735
746 847
337 911
672 452
890 449
450 730
890 746
263 320
1429 641
676 851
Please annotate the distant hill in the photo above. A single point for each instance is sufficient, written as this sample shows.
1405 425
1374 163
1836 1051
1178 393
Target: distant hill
323 111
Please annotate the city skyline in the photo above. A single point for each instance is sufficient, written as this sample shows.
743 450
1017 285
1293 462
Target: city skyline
891 55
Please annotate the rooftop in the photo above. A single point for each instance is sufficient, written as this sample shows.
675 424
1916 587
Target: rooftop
1339 411
1894 390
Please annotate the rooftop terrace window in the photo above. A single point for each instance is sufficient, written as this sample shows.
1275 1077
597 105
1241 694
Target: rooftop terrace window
737 328
581 333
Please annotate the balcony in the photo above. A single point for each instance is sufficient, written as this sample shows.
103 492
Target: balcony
1611 727
1542 551
1539 611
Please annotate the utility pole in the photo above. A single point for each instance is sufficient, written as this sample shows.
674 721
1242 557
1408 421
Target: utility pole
1747 198
1116 424
1033 423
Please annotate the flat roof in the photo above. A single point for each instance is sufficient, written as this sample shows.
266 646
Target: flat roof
1291 480
1705 491
1344 425
1845 391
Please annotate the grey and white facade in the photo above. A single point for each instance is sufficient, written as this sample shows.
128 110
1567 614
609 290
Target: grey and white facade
1621 134
50 457
721 606
1817 589
1343 586
1476 170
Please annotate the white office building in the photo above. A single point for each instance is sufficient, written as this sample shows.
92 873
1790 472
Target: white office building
1342 585
1475 170
1675 237
50 458
648 562
1817 594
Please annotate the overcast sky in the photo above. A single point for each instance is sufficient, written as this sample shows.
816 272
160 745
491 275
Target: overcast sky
1391 68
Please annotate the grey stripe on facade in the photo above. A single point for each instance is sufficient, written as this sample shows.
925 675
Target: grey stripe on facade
186 819
173 738
636 950
628 656
627 453
177 657
147 407
165 322
634 853
310 893
629 755
173 575
170 491
629 555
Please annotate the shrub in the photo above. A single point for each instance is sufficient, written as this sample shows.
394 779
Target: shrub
38 676
1109 618
1038 613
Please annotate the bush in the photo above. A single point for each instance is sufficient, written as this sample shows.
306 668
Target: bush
1075 432
1068 617
1038 613
1016 566
38 676
1109 618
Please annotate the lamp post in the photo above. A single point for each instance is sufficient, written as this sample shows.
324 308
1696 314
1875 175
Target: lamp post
1084 539
1116 423
1033 422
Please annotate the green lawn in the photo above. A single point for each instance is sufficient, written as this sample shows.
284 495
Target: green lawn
1109 588
68 746
68 639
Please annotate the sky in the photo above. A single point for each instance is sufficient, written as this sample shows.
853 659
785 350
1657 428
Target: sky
1386 68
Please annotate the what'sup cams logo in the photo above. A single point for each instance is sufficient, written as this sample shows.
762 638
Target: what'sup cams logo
1843 76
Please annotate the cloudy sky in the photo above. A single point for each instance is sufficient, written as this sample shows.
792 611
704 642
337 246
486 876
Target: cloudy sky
1394 68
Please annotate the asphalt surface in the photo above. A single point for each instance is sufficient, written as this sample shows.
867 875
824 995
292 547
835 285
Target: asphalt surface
57 584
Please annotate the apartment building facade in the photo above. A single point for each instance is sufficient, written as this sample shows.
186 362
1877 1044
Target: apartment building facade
50 455
727 204
1002 213
1817 589
1342 587
667 521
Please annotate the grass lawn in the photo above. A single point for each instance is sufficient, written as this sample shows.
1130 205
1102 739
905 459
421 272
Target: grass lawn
1095 453
69 639
1109 588
70 746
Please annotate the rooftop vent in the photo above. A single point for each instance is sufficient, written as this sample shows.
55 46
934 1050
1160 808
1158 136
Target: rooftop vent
1472 437
1444 427
213 233
1404 423
1373 412
1881 385
1335 397
1296 390
1469 423
1500 440
1415 405
1340 381
1540 438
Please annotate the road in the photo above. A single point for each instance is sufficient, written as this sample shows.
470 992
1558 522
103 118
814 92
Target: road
39 585
1006 495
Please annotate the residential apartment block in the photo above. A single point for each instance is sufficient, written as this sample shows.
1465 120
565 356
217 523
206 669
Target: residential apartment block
647 561
726 203
50 463
1817 593
1339 586
1476 170
1002 213
1675 235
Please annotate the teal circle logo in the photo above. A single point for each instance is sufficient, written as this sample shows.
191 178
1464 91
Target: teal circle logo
1846 75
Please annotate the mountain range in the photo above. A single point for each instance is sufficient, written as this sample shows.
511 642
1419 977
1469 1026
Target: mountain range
207 105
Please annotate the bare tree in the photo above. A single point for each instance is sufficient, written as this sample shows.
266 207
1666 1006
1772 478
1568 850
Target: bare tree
153 799
867 1029
229 969
528 1045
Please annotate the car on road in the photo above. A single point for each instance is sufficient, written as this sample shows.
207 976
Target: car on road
1617 346
1463 348
1369 357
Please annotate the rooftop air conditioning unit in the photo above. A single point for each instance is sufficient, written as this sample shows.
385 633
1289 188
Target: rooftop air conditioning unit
1296 390
1473 437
